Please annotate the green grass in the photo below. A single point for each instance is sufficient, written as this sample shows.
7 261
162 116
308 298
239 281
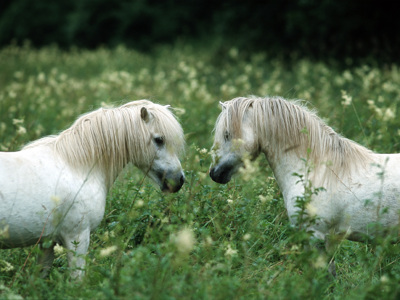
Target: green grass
242 245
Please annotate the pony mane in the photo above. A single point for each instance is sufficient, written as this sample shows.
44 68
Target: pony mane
290 126
109 138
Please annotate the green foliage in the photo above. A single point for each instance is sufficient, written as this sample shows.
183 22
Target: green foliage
208 241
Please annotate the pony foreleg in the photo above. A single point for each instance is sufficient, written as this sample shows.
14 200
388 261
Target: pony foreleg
77 248
327 248
46 259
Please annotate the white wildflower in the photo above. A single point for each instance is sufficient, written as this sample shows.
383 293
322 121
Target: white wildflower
320 262
184 240
233 53
384 279
18 121
5 266
248 69
348 76
6 293
203 151
139 203
4 232
265 199
108 251
21 130
12 94
3 127
209 241
179 111
55 199
247 170
388 115
106 236
294 248
371 103
41 77
230 252
347 99
202 175
311 210
106 105
19 75
246 237
58 250
63 77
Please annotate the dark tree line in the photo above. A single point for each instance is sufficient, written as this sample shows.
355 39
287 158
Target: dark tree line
315 28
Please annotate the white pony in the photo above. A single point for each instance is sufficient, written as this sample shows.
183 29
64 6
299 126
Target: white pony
360 186
55 188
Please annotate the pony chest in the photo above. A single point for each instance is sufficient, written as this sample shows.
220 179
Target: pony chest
324 205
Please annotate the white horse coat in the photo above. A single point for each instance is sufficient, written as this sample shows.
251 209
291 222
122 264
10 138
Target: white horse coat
360 186
55 188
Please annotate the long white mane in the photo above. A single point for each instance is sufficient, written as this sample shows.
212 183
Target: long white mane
289 126
110 138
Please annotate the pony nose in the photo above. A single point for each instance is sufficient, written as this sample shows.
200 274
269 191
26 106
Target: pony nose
221 175
175 185
182 180
212 175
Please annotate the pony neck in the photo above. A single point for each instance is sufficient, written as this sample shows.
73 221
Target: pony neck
295 139
292 164
287 167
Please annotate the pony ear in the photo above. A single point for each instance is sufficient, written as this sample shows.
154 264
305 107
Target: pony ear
167 106
222 104
145 114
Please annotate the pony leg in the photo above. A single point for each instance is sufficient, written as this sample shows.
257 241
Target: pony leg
325 246
77 246
329 247
46 259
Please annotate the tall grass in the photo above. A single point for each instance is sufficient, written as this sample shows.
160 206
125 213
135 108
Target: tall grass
209 241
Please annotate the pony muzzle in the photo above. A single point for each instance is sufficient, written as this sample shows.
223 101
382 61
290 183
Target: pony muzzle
172 184
221 174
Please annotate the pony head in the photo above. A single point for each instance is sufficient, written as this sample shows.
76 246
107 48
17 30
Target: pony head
140 132
165 141
235 139
278 128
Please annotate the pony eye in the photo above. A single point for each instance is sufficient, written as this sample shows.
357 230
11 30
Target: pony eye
159 140
227 136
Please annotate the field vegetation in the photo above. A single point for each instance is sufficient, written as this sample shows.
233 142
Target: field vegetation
208 241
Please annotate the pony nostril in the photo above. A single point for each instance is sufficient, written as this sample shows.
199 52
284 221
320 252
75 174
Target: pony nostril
212 172
182 180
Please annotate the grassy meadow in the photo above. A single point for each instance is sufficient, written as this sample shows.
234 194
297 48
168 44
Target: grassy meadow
208 241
